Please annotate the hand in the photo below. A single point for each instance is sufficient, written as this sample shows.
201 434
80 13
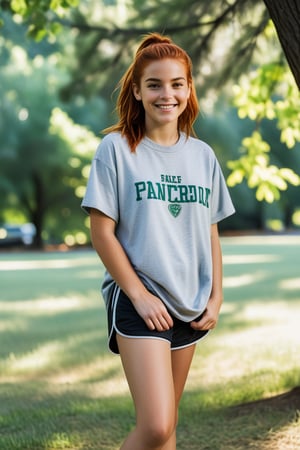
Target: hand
154 312
209 317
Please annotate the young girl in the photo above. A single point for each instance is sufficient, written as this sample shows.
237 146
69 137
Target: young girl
155 195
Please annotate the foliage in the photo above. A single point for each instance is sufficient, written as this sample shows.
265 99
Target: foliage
40 172
106 40
107 33
255 167
81 143
201 34
267 93
82 67
43 16
270 92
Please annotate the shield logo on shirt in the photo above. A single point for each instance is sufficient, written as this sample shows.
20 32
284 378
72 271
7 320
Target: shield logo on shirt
174 209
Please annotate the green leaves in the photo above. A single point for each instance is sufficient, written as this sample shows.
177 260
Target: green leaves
43 16
19 7
252 96
254 166
268 93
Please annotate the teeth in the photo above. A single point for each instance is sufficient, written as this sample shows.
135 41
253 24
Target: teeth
166 106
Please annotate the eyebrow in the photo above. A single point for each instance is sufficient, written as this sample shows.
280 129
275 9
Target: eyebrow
158 79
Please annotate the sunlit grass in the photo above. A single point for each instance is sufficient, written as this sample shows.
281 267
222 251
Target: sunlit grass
62 389
285 439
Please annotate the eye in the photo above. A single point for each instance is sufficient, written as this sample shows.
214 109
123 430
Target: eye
178 84
153 86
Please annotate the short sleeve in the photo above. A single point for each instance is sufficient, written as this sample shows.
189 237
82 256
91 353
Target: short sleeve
221 204
102 190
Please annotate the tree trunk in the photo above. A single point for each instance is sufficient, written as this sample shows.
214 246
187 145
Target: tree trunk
37 214
286 17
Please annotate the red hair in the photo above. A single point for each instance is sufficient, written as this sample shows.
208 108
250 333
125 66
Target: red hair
131 111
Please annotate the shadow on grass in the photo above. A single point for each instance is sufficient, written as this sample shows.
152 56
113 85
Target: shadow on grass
40 413
240 427
74 421
70 420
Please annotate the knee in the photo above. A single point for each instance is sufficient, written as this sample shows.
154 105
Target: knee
159 432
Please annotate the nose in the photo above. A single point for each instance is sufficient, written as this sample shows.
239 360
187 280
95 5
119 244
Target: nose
165 92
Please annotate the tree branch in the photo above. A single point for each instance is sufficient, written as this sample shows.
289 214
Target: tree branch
112 32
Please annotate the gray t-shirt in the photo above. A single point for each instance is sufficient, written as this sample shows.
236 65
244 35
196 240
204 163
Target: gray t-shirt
164 201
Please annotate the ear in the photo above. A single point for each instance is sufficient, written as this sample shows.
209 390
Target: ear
136 92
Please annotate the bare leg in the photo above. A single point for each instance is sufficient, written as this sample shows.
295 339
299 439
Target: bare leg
181 362
156 378
148 368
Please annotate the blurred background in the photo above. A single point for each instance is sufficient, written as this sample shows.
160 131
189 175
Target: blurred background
60 63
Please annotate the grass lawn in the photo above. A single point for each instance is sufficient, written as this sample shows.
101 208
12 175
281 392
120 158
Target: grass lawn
62 389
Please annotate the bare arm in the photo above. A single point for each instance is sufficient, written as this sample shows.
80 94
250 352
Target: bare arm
211 314
113 256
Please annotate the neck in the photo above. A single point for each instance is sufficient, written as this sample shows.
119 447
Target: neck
163 136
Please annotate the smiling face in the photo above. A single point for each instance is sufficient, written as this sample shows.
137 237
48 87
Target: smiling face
164 91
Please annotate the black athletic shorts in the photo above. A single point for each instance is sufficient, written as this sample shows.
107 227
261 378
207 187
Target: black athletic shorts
124 320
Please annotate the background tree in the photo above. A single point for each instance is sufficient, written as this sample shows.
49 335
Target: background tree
225 40
247 38
286 18
40 172
206 18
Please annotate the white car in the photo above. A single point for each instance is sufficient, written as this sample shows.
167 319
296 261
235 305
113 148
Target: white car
17 234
